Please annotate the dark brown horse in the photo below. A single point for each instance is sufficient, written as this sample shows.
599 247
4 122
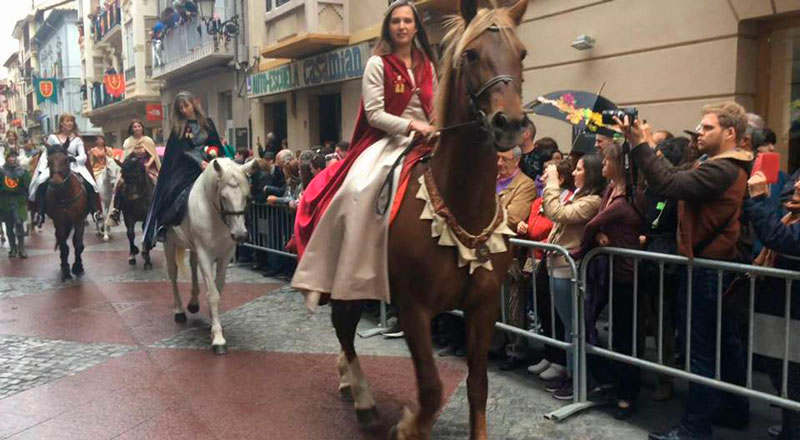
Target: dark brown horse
479 106
137 191
67 204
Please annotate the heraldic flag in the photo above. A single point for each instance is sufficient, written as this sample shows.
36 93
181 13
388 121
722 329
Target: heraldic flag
46 89
115 84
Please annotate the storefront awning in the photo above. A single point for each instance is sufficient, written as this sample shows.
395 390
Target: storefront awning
303 45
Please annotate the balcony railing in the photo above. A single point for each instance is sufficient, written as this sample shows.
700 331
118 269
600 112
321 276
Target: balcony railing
190 44
100 98
106 22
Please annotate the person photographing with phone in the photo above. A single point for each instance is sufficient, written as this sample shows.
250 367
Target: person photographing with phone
710 193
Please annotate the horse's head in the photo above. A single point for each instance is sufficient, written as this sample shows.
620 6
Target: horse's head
233 195
58 161
484 60
135 177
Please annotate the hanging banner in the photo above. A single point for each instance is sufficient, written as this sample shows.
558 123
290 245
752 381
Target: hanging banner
46 89
153 112
115 84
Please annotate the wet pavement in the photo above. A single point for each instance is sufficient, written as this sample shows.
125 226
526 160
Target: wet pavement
101 357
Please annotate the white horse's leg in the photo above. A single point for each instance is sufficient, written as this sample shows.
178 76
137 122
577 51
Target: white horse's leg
222 268
170 253
194 302
207 270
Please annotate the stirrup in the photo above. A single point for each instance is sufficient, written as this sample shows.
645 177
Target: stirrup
97 216
38 219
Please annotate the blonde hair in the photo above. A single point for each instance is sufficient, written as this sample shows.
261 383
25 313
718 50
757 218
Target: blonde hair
459 35
178 120
730 115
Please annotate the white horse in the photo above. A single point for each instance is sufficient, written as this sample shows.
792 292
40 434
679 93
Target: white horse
106 181
214 223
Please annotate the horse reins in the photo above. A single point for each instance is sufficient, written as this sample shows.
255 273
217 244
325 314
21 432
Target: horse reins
384 195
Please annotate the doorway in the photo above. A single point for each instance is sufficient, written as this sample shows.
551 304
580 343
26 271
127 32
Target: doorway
330 118
275 121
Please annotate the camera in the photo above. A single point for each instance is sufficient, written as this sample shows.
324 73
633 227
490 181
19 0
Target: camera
608 115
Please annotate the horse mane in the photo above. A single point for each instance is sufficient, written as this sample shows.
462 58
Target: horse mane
457 37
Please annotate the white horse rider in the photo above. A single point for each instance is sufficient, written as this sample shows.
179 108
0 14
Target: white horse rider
214 223
68 137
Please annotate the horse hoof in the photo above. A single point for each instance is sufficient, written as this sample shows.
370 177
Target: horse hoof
180 318
77 270
148 265
346 394
193 308
66 277
132 261
106 239
219 349
368 418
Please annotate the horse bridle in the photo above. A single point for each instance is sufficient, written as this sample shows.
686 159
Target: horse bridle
224 213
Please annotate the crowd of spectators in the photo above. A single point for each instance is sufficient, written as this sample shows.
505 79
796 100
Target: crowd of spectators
279 188
650 190
641 189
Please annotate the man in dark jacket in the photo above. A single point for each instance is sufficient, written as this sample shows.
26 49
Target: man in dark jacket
710 192
265 183
268 183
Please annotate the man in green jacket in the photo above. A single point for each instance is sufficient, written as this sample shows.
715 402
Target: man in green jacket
14 181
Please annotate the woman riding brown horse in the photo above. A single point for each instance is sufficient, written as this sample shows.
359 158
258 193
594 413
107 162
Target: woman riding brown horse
462 266
67 204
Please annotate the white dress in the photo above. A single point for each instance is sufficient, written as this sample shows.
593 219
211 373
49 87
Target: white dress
347 253
76 150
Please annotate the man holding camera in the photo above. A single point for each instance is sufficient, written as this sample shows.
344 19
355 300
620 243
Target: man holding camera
710 195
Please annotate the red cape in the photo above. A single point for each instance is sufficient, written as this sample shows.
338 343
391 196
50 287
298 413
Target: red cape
326 184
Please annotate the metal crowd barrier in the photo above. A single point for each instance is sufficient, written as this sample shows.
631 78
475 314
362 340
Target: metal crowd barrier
271 227
579 402
721 267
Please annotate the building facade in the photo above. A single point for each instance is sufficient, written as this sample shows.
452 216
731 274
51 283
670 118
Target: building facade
117 67
668 59
59 57
28 63
15 103
306 87
207 55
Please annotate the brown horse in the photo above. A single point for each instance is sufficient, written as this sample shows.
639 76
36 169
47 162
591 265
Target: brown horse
137 193
67 204
479 106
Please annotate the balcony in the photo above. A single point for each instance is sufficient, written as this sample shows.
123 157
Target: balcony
190 48
101 98
300 28
107 25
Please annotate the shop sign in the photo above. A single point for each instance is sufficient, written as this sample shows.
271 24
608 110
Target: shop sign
154 112
337 65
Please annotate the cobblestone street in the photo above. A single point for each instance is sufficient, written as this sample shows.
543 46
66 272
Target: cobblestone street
102 358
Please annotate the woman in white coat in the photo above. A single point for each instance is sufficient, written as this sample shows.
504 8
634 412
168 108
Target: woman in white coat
67 137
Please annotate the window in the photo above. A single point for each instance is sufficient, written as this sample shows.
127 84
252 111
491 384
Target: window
130 59
279 3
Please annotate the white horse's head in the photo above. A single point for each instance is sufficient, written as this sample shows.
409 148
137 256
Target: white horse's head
112 171
233 194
